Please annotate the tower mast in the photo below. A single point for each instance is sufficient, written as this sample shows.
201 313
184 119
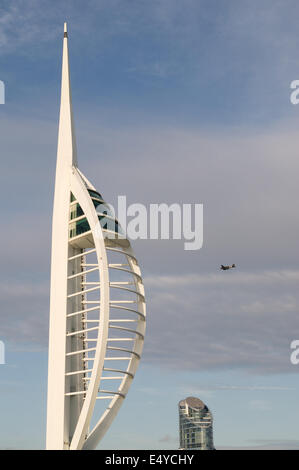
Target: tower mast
57 412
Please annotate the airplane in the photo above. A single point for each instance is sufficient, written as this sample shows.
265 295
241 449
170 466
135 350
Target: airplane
224 268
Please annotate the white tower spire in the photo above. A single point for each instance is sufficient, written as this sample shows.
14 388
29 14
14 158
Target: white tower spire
67 151
97 304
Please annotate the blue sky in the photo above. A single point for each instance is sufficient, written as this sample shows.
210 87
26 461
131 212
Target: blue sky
174 102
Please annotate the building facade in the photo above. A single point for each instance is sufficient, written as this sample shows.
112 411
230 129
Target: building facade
97 304
196 425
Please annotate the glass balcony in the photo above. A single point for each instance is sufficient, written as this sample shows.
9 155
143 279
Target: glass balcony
105 215
95 194
76 211
79 227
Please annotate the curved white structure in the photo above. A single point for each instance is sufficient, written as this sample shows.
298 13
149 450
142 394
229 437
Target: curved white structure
97 305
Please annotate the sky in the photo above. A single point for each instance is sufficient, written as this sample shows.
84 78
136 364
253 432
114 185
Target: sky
175 102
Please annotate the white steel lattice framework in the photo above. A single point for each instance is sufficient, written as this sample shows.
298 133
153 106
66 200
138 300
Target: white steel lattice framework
97 304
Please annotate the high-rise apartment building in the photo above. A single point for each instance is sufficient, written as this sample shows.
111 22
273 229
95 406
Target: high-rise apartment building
196 425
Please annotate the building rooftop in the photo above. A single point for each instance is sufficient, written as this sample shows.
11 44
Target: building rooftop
193 403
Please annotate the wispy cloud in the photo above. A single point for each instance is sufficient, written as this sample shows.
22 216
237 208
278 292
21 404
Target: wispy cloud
24 313
260 405
242 388
213 323
169 439
238 278
266 444
21 24
198 317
